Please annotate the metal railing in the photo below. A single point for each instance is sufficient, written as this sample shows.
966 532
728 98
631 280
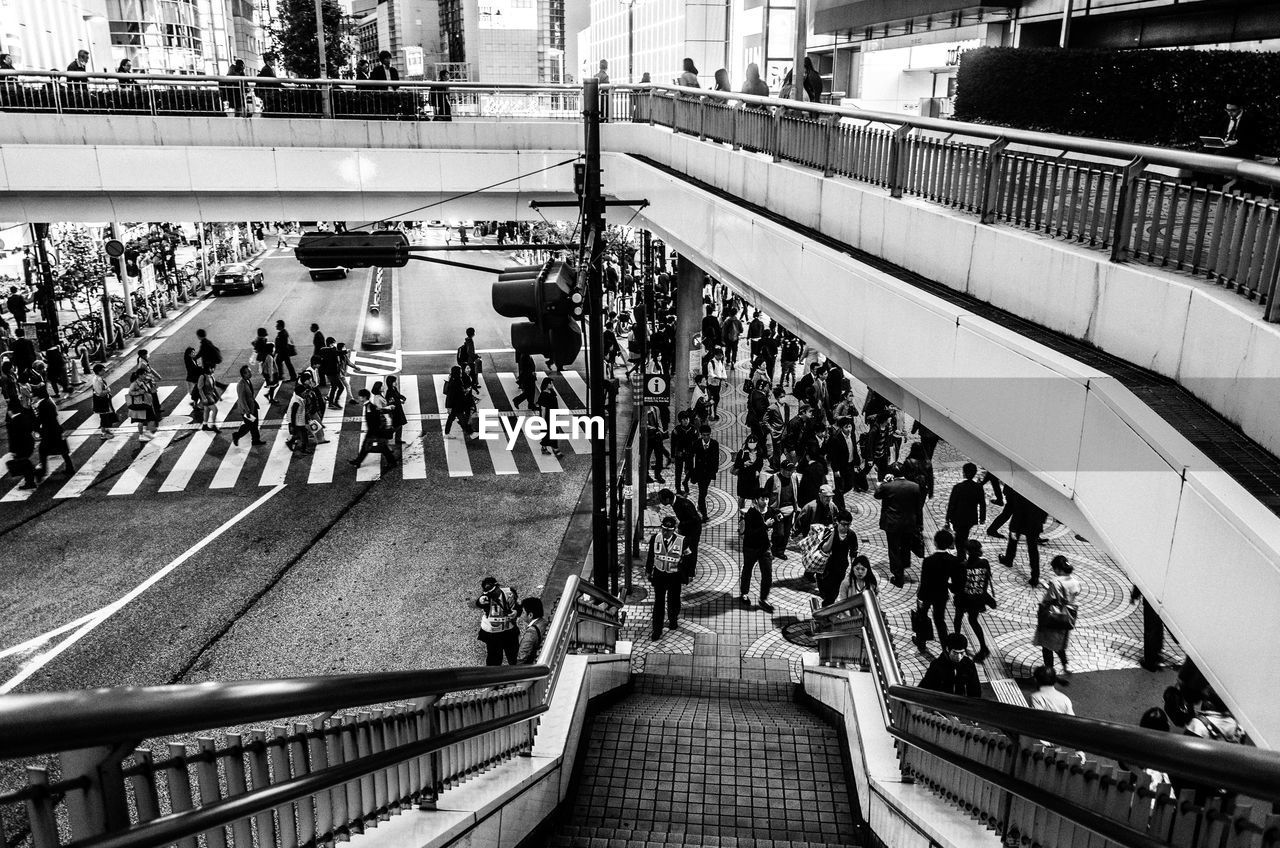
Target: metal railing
1176 209
1055 781
210 771
252 97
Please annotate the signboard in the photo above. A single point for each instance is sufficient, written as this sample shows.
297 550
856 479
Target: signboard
657 390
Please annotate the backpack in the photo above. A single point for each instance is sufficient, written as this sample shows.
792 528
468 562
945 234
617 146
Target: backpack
1218 726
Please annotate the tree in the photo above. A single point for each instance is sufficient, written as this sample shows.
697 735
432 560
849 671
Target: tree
79 264
294 38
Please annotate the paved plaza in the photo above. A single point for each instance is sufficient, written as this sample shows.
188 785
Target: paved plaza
718 637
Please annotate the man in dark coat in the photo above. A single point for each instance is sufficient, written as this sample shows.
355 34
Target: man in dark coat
1027 520
967 506
901 517
19 426
17 305
1242 136
22 351
52 441
842 456
953 673
704 462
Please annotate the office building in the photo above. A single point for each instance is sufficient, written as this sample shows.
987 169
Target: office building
46 34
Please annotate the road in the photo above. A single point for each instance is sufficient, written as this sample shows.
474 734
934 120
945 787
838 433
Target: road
205 561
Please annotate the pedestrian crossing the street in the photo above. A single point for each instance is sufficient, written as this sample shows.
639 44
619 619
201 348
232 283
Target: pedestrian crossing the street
182 457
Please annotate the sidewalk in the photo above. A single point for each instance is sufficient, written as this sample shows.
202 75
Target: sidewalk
718 637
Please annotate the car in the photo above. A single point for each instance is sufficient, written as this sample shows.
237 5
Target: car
337 273
238 276
435 225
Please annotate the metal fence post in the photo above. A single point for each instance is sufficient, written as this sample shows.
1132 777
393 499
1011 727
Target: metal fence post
1124 208
737 112
898 160
702 118
100 807
991 181
830 122
775 143
650 107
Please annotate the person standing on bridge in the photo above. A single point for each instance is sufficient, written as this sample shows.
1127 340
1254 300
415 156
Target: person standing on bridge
499 609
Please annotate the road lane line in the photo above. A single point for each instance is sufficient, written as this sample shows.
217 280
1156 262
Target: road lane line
40 661
455 449
579 445
504 461
547 462
37 641
454 351
413 457
233 460
185 468
277 466
368 471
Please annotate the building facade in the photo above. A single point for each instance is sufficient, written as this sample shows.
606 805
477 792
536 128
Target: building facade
517 41
47 34
656 36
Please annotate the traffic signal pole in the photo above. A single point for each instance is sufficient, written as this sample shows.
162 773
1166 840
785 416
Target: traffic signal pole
593 235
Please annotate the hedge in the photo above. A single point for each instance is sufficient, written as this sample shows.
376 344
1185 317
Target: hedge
1161 97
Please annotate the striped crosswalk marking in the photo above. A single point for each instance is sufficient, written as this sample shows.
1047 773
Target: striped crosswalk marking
413 459
371 468
455 447
579 444
277 467
233 460
503 461
547 462
150 452
326 455
73 443
197 446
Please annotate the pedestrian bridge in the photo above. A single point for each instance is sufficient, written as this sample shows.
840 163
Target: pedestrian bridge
997 285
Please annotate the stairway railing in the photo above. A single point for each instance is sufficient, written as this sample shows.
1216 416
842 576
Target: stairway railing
119 767
1057 781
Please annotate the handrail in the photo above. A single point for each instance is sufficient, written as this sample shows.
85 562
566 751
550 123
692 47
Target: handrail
1125 151
274 81
46 722
1239 768
176 826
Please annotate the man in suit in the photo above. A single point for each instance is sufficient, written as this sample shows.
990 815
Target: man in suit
1241 137
901 518
967 506
842 456
22 351
704 462
383 70
17 305
1027 520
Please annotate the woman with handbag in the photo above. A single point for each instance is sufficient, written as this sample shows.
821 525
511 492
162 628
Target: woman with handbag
717 376
207 390
973 594
140 409
1056 615
107 417
395 410
192 365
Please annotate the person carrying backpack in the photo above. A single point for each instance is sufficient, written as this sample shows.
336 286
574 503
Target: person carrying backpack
467 352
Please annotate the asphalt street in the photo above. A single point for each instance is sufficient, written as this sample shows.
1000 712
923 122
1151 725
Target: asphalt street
295 574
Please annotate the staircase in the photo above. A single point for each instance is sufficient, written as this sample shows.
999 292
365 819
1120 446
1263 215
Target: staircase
705 761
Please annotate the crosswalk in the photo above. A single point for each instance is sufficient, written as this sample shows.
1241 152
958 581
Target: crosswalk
182 457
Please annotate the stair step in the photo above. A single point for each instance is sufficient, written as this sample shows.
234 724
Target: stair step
612 837
712 687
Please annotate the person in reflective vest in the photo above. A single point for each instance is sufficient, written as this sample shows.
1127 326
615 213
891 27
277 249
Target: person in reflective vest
498 622
665 568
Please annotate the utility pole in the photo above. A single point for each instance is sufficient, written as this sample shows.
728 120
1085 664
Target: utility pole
593 235
326 106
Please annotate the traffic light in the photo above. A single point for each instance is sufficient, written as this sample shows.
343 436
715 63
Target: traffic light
548 297
357 249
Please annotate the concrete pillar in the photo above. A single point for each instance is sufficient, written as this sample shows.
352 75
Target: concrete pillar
688 284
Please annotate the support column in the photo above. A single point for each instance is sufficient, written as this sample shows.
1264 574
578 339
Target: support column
688 284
